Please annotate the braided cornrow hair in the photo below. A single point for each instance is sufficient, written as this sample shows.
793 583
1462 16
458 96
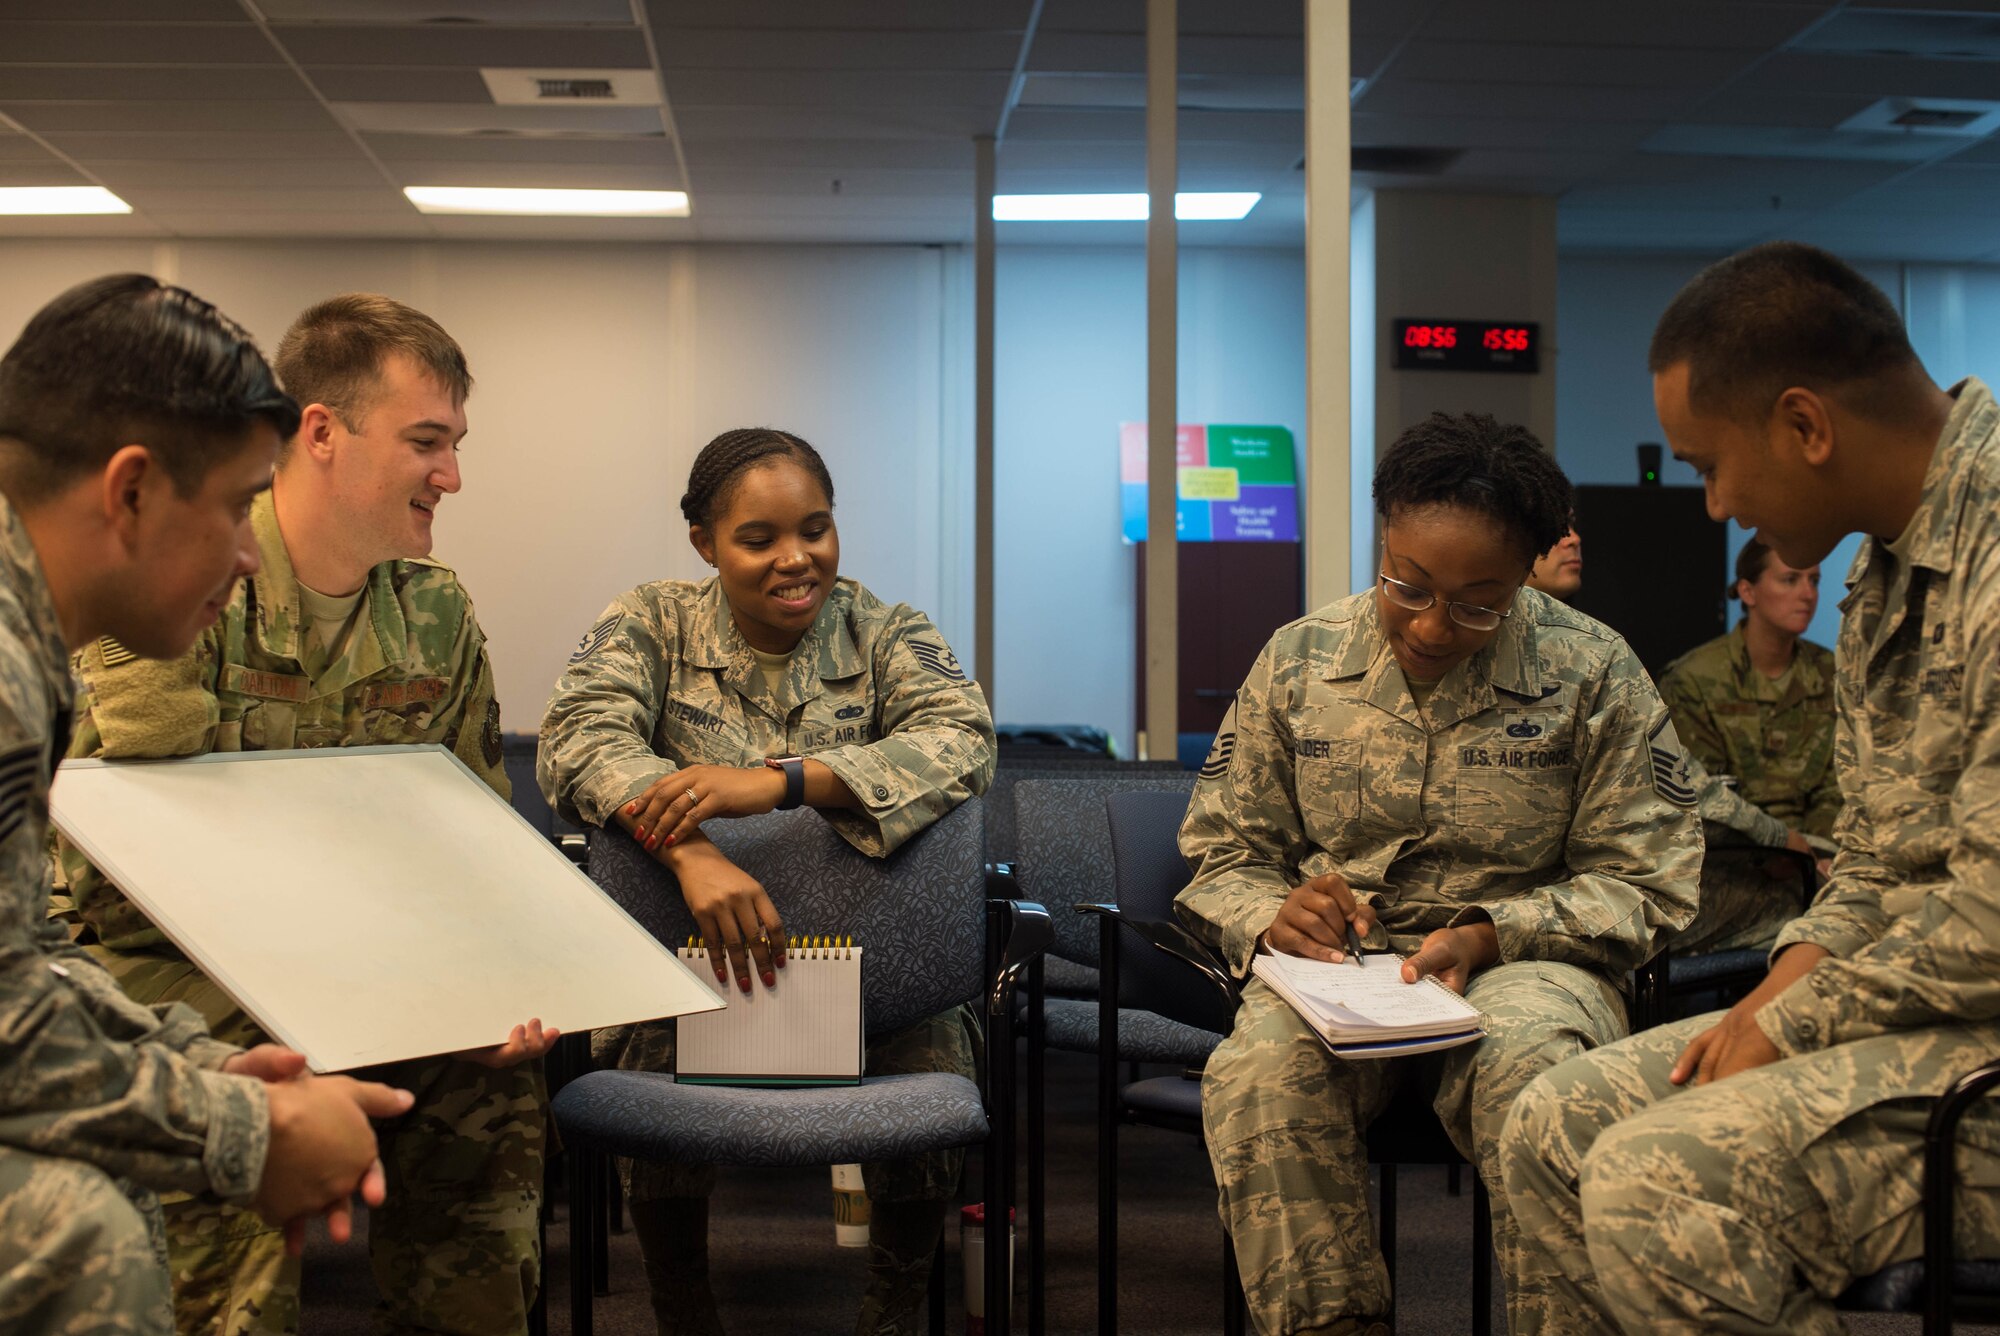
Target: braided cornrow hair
1471 461
725 459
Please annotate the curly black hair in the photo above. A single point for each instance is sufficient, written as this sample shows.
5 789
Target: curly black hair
1470 461
726 458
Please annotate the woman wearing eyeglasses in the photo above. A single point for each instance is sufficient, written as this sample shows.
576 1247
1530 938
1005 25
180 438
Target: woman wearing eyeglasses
1477 778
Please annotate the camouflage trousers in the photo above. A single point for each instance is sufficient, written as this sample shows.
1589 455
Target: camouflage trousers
456 1245
1744 1205
948 1042
1743 907
78 1255
1286 1119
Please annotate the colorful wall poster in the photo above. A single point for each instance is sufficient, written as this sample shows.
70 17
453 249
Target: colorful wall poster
1233 484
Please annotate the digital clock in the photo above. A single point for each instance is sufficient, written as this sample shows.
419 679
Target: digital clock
1467 345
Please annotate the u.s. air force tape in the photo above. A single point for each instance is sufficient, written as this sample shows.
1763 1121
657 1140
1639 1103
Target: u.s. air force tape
938 658
593 639
1219 756
1673 777
17 784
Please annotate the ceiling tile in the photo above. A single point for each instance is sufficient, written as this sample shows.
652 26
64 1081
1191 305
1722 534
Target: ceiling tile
223 221
1128 126
129 11
48 172
1398 97
1751 185
835 89
80 227
1573 66
222 147
60 83
550 175
1876 76
1011 15
830 49
155 117
880 154
1117 54
727 125
374 83
217 174
31 43
1493 132
468 46
472 151
459 118
1737 23
167 201
1747 103
617 13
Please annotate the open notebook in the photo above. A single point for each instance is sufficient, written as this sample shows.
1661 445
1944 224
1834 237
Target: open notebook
1370 1012
805 1030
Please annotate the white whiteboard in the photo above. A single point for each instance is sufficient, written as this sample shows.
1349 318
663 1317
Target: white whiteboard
366 904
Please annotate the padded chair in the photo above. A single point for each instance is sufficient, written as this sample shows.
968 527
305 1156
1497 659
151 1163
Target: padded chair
934 942
1940 1287
1150 873
1002 845
1728 975
517 752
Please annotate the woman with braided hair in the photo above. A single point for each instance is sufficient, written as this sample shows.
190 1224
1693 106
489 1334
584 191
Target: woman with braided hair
1463 772
772 684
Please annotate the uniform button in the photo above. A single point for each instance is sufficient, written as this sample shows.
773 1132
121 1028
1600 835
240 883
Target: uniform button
881 792
1808 1030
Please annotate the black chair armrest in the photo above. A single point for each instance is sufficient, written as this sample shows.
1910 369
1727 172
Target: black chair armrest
576 848
1021 932
1001 882
1940 1179
1179 943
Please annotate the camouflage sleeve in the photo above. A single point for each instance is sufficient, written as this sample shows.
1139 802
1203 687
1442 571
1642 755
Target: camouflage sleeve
1708 754
132 707
87 1074
934 744
1938 961
596 750
1634 847
1823 804
1243 835
471 713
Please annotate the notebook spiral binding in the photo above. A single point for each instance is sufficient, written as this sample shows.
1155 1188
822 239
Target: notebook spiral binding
820 946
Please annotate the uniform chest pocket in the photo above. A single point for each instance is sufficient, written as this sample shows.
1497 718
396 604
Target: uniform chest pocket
1326 775
1528 792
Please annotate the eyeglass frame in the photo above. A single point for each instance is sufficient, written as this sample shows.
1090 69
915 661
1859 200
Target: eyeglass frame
1451 606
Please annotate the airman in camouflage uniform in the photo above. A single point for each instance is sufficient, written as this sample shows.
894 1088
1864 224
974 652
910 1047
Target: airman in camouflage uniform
1774 741
1541 786
1748 1201
102 1094
664 679
456 1246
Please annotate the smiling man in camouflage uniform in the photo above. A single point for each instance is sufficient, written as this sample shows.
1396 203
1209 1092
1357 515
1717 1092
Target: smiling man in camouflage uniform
1735 1171
346 637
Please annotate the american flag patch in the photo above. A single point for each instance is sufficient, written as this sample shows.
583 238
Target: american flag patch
938 658
18 767
114 654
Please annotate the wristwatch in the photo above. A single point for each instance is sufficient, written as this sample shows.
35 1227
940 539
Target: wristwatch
795 780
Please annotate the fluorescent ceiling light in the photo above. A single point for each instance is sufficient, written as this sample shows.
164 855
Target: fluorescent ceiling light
60 199
1188 205
578 203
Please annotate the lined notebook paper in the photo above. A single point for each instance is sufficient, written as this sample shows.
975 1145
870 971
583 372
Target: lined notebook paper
1370 1012
804 1030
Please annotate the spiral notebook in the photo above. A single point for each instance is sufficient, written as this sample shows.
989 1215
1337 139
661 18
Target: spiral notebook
805 1030
1370 1012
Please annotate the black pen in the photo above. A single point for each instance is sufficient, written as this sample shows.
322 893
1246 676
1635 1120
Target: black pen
1354 945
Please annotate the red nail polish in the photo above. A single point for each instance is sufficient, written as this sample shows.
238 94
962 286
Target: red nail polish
744 984
653 844
639 834
670 841
720 977
769 978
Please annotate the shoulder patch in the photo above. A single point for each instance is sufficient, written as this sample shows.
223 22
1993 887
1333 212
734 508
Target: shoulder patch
17 784
938 658
1673 778
114 654
490 744
593 639
1219 756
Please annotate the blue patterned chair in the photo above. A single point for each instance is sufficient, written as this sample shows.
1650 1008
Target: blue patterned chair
934 942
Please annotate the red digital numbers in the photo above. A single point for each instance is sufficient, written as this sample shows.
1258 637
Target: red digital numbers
1501 340
1431 336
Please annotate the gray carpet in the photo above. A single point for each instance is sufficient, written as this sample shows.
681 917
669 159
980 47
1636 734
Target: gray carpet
776 1268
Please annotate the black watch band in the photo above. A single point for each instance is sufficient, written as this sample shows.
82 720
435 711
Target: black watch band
795 780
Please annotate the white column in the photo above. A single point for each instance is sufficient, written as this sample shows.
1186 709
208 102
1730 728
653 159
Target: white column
1329 139
982 416
1162 645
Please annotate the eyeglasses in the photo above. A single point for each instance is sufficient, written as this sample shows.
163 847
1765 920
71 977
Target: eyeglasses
1471 616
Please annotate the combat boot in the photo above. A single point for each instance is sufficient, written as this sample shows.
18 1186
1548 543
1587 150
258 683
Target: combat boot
902 1239
673 1238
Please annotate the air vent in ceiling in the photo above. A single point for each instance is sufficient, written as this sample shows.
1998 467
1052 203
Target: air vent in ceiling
597 88
1959 117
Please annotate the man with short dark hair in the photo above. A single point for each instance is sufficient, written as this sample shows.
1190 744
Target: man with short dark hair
1736 1171
137 425
347 637
1558 572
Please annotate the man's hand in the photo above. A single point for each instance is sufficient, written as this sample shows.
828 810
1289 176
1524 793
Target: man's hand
322 1150
526 1041
1313 920
1736 1043
267 1062
1453 955
737 919
672 809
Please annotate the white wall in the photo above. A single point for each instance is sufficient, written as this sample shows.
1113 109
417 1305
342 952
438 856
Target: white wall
1070 365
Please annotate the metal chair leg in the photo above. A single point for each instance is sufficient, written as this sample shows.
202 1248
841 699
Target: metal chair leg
1232 1290
614 1199
936 1288
1107 1129
600 1229
1037 1153
586 1179
1385 1229
1482 1258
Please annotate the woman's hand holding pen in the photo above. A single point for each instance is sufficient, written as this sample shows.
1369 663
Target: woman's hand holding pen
1314 919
